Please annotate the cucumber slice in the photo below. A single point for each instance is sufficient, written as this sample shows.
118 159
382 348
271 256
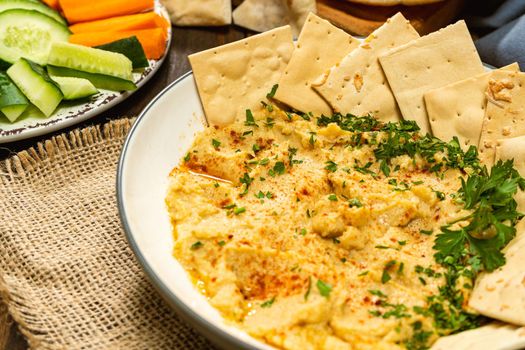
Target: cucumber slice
31 5
100 81
29 34
12 100
129 47
13 112
90 60
75 88
38 87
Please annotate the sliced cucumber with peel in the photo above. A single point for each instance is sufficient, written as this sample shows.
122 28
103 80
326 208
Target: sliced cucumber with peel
12 101
90 60
129 47
100 81
32 5
29 34
36 85
75 88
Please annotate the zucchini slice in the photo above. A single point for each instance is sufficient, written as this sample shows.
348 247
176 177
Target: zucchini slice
12 101
75 88
29 34
129 47
32 5
90 60
100 81
36 85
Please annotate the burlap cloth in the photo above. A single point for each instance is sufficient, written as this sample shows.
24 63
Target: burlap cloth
67 275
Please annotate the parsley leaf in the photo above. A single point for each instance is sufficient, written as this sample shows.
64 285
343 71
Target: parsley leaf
324 288
331 166
273 91
268 303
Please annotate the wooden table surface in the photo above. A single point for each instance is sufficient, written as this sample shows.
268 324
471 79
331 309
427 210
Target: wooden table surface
185 41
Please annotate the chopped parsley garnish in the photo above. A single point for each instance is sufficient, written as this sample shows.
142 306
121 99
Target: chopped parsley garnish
260 195
246 181
384 168
305 116
269 121
377 293
250 120
215 143
402 242
303 232
221 243
187 157
291 153
246 133
230 206
256 148
365 169
385 277
264 161
308 289
216 185
331 166
324 288
268 303
440 195
332 197
313 139
491 227
426 232
239 210
278 169
354 202
273 91
196 245
364 273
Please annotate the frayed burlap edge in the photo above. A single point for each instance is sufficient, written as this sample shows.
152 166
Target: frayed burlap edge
25 162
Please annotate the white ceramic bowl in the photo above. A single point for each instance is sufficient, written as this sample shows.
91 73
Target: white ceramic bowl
157 142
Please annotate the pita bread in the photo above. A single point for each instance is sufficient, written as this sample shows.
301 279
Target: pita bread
458 109
505 112
358 85
513 149
199 13
320 46
395 2
263 15
501 294
494 336
433 61
234 77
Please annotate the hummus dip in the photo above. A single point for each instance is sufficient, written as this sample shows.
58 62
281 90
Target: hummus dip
318 233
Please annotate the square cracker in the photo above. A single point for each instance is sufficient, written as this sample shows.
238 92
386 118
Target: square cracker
430 62
357 85
505 112
500 294
237 76
320 46
458 109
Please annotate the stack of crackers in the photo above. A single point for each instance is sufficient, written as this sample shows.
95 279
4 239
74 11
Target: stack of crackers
437 80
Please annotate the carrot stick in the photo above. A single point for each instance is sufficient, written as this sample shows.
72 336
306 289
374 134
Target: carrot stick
153 41
52 3
85 10
146 20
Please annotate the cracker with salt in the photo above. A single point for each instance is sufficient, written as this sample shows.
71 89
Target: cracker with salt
500 294
320 46
458 109
505 112
357 85
199 13
433 61
489 337
236 76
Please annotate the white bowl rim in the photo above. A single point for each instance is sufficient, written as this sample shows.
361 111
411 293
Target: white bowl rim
211 331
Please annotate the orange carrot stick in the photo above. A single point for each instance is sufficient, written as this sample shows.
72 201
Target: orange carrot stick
85 10
146 20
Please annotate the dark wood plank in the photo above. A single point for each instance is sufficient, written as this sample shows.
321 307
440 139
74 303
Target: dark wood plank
185 41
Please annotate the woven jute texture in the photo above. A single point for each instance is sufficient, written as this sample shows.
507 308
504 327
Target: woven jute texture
67 275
